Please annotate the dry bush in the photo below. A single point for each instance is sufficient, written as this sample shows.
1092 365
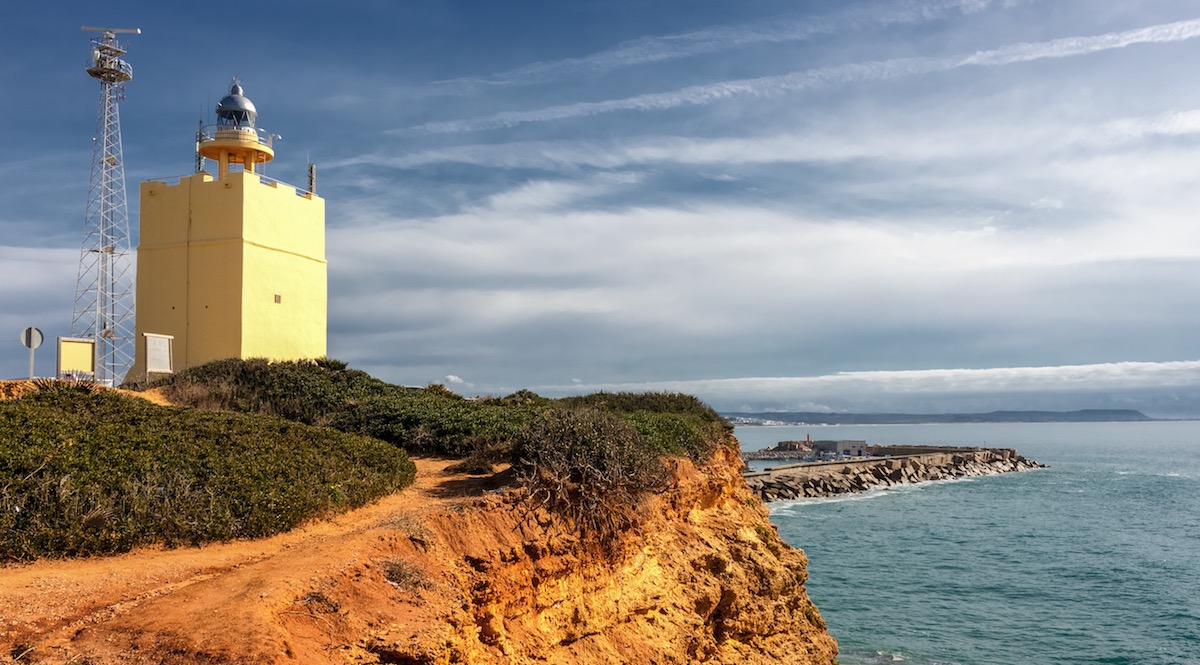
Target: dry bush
591 467
405 575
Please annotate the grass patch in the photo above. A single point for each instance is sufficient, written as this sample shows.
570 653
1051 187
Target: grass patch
85 472
405 575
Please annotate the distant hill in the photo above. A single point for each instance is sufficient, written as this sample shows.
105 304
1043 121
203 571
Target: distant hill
808 418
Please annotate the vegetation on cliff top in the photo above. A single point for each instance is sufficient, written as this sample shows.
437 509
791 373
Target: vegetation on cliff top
591 458
84 471
268 445
431 420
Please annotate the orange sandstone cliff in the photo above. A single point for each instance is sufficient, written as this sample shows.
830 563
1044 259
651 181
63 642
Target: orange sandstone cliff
456 569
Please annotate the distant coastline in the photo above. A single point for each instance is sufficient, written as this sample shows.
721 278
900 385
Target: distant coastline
814 418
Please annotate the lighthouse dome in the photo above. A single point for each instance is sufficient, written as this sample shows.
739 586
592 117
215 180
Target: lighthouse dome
236 109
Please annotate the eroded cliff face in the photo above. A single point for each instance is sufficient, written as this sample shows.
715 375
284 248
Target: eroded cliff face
452 571
706 579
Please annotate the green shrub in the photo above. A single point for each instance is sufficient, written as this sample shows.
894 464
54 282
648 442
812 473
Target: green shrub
589 466
673 423
521 397
306 391
90 473
681 434
655 402
430 420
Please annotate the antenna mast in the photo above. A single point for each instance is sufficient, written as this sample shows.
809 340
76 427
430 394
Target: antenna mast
104 287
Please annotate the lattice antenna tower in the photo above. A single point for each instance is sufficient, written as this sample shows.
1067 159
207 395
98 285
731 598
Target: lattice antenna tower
104 288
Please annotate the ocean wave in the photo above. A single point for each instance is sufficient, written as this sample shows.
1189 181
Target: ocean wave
785 506
886 658
1160 474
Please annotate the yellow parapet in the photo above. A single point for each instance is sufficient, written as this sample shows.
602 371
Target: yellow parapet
231 267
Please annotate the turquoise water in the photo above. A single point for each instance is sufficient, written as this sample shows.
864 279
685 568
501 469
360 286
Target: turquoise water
1094 560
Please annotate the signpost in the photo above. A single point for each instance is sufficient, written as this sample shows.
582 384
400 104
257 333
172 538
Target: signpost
32 338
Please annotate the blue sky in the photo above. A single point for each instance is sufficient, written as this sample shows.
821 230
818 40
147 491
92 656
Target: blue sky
936 205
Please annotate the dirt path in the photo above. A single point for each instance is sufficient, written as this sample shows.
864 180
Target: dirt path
46 607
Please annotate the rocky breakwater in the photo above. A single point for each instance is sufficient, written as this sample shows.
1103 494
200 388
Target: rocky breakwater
822 479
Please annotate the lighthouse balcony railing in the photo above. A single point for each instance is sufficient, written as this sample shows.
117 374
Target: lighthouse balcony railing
210 133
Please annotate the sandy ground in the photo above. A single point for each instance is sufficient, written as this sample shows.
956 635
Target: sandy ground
66 610
47 605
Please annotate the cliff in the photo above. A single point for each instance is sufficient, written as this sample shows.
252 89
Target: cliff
456 569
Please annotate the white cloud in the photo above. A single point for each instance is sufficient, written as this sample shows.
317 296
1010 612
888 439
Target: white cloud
544 195
814 393
1047 203
819 78
914 136
454 380
1175 123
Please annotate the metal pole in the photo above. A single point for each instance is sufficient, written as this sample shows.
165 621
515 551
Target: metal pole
30 363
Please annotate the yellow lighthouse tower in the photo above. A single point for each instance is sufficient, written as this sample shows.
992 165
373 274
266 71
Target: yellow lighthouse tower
231 266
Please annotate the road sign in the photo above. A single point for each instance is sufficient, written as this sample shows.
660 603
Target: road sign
31 337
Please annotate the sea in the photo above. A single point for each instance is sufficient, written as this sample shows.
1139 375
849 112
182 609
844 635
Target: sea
1095 559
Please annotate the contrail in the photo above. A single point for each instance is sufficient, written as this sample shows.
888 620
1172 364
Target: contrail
647 50
767 86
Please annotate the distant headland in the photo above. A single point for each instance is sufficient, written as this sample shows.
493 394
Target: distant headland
814 418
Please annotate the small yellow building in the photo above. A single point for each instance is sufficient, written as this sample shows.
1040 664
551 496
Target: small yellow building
232 266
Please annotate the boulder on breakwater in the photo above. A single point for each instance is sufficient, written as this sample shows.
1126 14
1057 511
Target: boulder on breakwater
822 479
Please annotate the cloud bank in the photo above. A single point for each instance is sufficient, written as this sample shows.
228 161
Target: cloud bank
1164 389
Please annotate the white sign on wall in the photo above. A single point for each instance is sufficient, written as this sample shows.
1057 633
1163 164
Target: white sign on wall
159 353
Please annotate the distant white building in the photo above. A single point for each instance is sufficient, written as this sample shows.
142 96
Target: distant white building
851 448
842 448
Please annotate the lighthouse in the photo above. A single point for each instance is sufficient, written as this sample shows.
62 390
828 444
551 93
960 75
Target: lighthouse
231 265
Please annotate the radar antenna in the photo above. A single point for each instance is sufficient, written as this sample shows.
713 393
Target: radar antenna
104 287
